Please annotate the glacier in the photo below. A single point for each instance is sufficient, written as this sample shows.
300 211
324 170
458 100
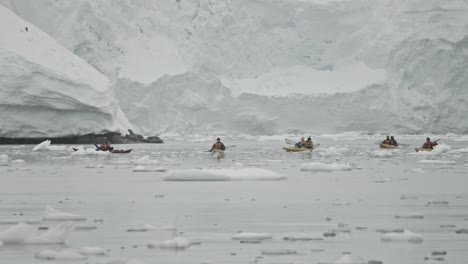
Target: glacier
270 67
48 91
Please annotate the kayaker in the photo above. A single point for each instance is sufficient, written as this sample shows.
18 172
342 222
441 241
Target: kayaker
387 141
393 141
105 146
429 144
308 143
218 145
301 143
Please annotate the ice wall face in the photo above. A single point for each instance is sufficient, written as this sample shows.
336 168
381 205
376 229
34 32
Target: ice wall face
45 90
274 65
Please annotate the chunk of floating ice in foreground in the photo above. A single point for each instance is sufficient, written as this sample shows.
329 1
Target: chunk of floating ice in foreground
251 236
64 254
90 151
3 160
315 166
382 153
233 174
92 251
26 234
42 146
174 243
144 169
18 161
442 162
142 228
53 214
406 235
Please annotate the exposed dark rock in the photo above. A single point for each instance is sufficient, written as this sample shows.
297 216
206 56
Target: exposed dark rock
113 137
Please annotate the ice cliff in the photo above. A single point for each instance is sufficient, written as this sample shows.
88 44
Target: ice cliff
272 66
46 90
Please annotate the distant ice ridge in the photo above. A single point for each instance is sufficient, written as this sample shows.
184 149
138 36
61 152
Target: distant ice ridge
49 91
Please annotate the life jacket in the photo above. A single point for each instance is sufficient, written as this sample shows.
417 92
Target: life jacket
218 145
429 145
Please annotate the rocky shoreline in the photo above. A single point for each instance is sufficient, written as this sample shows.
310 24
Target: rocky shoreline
113 137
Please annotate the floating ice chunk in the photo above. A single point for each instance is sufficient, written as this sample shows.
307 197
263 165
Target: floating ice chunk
144 169
406 235
462 150
18 161
83 227
64 254
94 166
251 236
44 145
315 166
142 228
3 160
17 234
413 216
293 238
145 160
279 252
25 234
174 243
54 214
124 261
442 162
233 174
418 170
348 259
92 251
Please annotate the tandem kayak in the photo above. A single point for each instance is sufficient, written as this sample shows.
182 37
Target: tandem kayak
294 149
116 151
387 146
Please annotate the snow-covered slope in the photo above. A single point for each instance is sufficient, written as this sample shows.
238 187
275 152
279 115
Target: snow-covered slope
270 66
47 91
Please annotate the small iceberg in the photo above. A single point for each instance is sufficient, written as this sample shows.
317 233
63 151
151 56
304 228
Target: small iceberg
53 214
251 236
406 235
64 254
92 251
233 174
315 166
347 258
144 169
438 162
44 145
175 243
26 234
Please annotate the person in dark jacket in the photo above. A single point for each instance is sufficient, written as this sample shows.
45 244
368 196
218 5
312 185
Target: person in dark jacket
218 145
393 141
429 144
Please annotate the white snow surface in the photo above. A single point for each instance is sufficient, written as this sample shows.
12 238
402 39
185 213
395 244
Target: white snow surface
230 174
228 66
46 90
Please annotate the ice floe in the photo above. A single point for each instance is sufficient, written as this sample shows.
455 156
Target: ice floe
3 160
56 215
64 254
145 169
44 145
231 174
439 162
383 153
173 243
333 151
92 251
90 152
251 236
406 235
26 234
315 166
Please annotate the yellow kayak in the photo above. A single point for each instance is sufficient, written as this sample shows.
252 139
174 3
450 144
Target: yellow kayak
218 151
294 149
387 146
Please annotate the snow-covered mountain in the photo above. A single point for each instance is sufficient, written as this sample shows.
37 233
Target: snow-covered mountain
272 66
47 91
